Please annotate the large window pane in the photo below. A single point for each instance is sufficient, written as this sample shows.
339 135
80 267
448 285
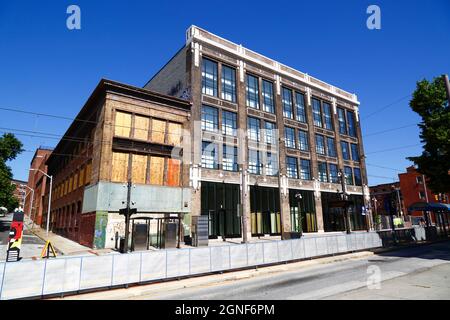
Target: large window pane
270 133
341 119
303 140
305 169
210 118
320 144
345 150
271 164
267 93
355 152
289 135
348 175
323 174
291 167
209 77
317 117
209 155
252 92
331 147
228 83
229 123
357 173
253 128
122 125
351 123
229 161
254 161
287 103
300 106
334 173
327 116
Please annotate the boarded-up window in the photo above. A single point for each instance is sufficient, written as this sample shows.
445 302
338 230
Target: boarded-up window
75 181
87 179
174 134
139 168
173 172
122 125
81 179
156 170
119 167
141 127
70 183
66 184
158 131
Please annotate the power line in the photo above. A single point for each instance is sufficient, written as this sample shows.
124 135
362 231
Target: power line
389 130
394 149
385 107
382 167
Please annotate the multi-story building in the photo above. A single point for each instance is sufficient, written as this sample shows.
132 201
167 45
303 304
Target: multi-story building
415 189
122 134
262 133
382 195
37 181
20 192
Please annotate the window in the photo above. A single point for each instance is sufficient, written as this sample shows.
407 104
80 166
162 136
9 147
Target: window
323 174
174 133
328 120
419 179
348 175
228 83
287 103
421 195
157 170
345 150
317 117
252 92
270 133
331 147
158 131
210 118
122 125
267 94
173 172
305 169
209 77
141 127
355 152
229 123
291 167
230 158
254 161
289 135
300 106
334 173
351 123
357 174
119 169
271 164
253 128
320 144
209 155
303 143
341 119
138 168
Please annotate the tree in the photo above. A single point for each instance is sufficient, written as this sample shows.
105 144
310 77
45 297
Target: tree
10 147
430 102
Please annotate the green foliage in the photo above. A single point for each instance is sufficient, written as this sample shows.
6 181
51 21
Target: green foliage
430 102
10 147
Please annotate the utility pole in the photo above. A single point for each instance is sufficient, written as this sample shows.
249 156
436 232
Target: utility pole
345 199
127 212
447 87
298 196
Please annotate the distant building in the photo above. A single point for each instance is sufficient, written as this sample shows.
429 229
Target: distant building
38 182
381 196
19 191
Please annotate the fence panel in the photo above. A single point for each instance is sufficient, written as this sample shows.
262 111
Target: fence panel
126 268
220 258
285 250
2 268
153 265
298 249
23 279
310 247
332 244
270 252
360 241
200 260
255 253
238 255
62 275
321 243
96 272
342 243
177 262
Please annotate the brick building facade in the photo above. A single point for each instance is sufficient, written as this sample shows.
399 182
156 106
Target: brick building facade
19 192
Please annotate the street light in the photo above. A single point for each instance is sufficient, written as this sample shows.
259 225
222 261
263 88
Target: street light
298 196
31 204
49 196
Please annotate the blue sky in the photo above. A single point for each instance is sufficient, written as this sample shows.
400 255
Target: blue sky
44 67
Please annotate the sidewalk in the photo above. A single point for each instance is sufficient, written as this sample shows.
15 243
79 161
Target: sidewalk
62 245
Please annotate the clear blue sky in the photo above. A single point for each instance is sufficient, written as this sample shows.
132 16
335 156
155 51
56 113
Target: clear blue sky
44 67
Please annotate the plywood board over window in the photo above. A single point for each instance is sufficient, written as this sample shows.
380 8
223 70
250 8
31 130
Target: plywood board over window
156 170
141 127
138 168
122 125
158 131
88 173
119 171
75 181
174 134
173 172
81 181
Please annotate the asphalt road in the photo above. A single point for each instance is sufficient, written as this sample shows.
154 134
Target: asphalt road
411 273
